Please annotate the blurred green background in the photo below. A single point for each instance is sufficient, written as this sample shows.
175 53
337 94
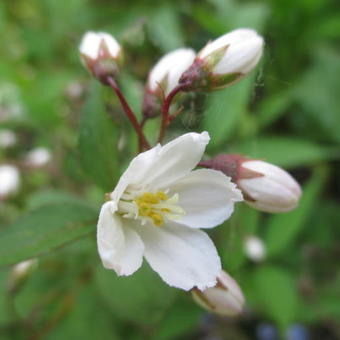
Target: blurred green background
286 112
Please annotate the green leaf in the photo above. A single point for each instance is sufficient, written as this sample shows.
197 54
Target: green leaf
286 151
164 28
283 229
224 109
275 292
44 230
142 297
98 141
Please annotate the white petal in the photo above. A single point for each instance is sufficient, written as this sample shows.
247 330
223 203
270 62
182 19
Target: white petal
183 257
176 159
207 197
160 166
119 246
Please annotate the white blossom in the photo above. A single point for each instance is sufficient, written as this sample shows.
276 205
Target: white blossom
156 209
243 50
226 298
9 180
166 73
254 248
273 190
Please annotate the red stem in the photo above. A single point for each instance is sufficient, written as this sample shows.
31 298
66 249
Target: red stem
132 117
165 110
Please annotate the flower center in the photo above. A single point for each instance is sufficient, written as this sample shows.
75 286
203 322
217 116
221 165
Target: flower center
154 207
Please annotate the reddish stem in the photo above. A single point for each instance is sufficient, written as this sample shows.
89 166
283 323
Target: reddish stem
132 117
165 110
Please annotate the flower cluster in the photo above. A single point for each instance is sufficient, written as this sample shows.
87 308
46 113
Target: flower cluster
161 201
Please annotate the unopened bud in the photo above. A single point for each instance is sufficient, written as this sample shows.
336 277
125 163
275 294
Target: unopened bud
224 61
38 157
101 54
9 180
265 186
7 138
20 273
226 298
163 78
255 248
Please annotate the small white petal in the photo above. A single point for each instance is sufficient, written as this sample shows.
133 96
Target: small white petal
183 257
119 246
171 66
207 197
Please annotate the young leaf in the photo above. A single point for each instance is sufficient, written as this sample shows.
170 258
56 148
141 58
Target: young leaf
45 229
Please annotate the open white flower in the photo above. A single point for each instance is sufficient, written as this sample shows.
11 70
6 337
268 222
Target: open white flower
156 209
9 180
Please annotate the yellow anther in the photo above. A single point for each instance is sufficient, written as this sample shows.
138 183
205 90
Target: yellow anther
162 196
155 206
157 219
149 197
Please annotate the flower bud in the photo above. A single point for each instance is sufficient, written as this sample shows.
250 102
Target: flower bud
224 61
101 54
226 298
255 248
163 78
9 180
265 186
38 157
20 273
7 138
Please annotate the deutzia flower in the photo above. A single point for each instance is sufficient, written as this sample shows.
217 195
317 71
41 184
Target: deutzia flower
225 60
164 76
156 209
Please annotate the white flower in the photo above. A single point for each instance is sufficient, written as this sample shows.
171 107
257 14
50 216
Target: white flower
255 248
7 138
20 273
273 190
156 209
93 42
9 180
226 298
166 73
243 50
38 157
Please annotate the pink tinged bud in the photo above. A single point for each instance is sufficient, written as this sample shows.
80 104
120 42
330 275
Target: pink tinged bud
226 298
274 191
264 186
225 60
9 180
101 54
164 77
255 248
